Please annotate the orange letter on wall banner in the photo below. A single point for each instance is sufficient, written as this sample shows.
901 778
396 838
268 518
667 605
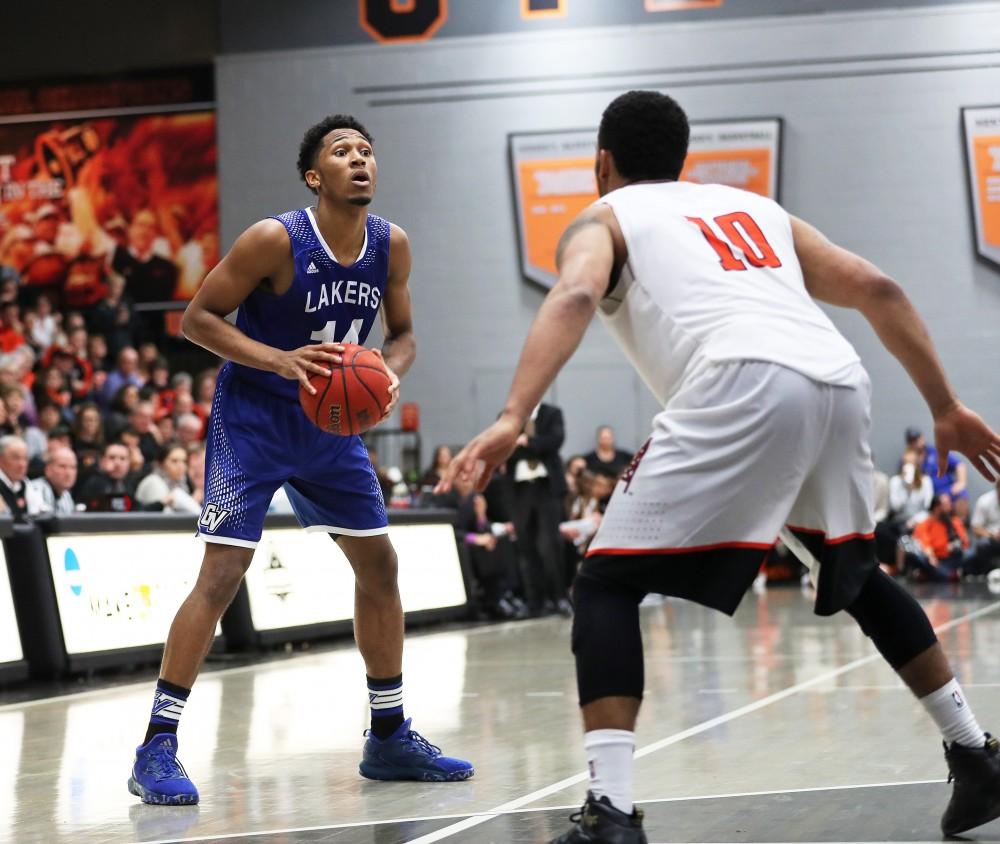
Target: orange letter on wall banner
402 20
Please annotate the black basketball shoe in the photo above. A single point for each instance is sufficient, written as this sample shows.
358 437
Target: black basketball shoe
976 797
598 822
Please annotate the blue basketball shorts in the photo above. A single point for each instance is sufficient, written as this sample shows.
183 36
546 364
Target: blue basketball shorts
258 441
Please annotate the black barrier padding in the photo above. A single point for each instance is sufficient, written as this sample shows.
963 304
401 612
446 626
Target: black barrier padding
35 601
237 622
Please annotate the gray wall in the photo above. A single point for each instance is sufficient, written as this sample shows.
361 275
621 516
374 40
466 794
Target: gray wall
872 155
265 25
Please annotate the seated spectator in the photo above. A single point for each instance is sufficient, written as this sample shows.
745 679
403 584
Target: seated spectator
142 420
986 528
50 494
955 477
121 408
439 463
97 353
189 429
910 494
940 543
203 391
196 472
11 328
77 372
13 471
166 487
12 396
124 374
137 463
491 556
36 437
45 323
159 381
51 385
112 488
166 428
606 457
88 435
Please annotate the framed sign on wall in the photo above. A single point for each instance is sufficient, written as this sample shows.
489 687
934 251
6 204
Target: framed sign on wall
981 130
553 177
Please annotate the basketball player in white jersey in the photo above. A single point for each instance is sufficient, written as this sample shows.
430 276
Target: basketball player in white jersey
709 290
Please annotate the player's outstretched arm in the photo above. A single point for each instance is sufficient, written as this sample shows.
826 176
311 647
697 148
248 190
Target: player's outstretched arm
839 277
591 249
400 347
263 251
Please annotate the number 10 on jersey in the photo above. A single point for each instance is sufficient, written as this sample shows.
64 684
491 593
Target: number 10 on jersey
738 229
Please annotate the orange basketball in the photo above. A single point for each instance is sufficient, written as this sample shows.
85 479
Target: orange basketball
353 398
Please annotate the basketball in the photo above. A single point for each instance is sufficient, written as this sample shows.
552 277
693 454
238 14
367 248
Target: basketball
353 398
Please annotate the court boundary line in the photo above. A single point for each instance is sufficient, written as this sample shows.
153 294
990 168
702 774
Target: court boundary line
538 809
520 802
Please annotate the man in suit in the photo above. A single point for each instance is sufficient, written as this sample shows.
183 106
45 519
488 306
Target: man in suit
13 470
538 487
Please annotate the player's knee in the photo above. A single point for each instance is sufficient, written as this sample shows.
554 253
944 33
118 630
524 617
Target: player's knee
220 576
377 574
892 619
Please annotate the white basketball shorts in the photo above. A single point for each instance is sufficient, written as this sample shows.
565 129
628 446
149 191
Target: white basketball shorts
741 450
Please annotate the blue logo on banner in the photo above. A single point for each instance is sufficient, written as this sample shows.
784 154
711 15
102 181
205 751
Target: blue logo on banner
72 564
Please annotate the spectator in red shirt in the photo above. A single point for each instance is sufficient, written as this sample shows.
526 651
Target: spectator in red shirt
941 543
11 328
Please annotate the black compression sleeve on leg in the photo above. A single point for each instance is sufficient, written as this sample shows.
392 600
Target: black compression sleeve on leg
607 641
892 619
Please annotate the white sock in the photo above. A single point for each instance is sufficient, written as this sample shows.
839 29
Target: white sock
609 757
948 708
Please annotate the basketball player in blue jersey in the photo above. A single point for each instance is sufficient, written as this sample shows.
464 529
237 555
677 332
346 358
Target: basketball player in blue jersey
302 283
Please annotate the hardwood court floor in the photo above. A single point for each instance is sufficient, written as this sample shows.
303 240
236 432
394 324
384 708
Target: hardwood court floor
774 726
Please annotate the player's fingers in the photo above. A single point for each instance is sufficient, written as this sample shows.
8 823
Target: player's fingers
317 354
319 370
304 381
329 347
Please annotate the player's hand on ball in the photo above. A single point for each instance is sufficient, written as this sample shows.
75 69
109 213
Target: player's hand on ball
314 359
476 462
960 429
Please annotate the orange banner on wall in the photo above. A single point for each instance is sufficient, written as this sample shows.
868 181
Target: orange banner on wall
982 139
554 178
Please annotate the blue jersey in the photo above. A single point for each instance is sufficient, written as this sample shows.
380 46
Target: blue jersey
327 302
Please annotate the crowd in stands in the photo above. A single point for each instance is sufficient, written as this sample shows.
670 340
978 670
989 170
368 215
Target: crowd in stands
91 415
927 530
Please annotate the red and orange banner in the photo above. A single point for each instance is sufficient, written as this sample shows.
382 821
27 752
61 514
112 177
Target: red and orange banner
982 155
554 179
97 198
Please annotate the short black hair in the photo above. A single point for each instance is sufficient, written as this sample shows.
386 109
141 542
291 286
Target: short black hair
312 140
647 134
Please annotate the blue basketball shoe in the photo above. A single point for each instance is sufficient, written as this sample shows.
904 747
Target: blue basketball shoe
157 775
407 755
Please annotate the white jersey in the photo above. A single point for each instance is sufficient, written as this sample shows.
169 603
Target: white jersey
712 277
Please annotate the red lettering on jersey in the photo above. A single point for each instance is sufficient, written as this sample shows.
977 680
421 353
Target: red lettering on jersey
741 230
728 260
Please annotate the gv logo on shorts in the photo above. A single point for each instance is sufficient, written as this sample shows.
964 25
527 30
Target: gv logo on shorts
212 516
